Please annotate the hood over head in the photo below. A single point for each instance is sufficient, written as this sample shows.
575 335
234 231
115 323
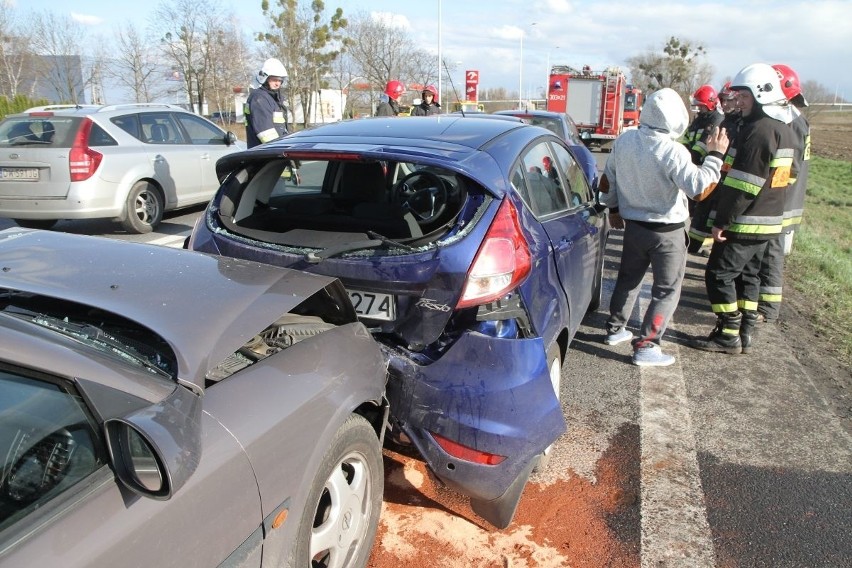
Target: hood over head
665 112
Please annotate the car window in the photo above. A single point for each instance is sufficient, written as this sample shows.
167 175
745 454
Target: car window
544 187
160 128
48 442
99 137
129 123
50 131
578 187
550 123
573 135
200 131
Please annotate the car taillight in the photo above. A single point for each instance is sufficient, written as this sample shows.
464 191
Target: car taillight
466 453
502 262
82 160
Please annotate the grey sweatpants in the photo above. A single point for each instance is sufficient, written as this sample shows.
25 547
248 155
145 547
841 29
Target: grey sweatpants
665 253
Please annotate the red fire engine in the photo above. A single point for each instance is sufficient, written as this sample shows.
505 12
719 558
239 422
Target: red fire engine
633 99
595 100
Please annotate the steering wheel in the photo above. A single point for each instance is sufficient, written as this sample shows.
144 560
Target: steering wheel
424 194
41 467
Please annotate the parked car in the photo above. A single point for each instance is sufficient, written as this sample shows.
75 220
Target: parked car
472 248
562 125
131 162
160 407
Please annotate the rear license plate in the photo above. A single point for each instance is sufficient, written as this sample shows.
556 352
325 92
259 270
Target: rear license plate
374 306
19 174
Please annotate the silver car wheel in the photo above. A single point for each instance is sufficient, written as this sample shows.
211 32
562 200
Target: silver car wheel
342 512
144 208
554 367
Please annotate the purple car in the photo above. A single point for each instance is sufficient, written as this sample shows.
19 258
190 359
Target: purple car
471 248
160 407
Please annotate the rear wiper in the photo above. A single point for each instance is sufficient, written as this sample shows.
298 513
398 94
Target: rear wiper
375 240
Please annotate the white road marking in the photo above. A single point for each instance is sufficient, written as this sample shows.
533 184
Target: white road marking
674 527
174 241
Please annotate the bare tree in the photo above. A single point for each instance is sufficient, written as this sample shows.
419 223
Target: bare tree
680 66
63 65
383 52
16 53
230 61
189 30
136 65
306 43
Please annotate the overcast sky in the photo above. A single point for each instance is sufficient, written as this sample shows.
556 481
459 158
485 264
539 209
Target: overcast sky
815 37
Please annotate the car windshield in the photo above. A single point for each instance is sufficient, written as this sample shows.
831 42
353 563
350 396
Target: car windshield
53 131
114 336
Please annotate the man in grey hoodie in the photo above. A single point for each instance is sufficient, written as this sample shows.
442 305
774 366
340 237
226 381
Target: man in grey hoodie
646 182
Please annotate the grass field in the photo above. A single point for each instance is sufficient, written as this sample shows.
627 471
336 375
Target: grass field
820 265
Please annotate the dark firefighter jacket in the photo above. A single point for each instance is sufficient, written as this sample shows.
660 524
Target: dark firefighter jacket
752 192
266 117
795 203
695 137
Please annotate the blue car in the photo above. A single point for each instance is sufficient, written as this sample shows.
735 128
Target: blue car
471 249
563 126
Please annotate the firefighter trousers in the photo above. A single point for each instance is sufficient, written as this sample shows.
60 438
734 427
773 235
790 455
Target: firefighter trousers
733 275
665 253
772 279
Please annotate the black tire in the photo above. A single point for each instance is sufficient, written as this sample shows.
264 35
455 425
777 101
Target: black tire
351 472
45 224
554 366
597 290
143 209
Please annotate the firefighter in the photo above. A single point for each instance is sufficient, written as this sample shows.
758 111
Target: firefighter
707 118
772 267
750 206
390 107
646 182
700 238
266 115
429 102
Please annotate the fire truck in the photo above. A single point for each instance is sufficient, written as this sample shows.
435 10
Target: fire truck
633 100
594 99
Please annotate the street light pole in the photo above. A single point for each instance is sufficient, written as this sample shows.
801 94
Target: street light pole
521 71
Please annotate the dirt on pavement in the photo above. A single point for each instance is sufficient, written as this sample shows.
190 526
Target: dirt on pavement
566 519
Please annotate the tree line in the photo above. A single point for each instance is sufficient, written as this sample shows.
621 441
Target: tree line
196 51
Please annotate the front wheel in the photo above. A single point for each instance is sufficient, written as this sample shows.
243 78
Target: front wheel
144 208
341 515
554 367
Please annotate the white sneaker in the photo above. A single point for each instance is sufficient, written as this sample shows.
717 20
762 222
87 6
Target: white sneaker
623 334
650 355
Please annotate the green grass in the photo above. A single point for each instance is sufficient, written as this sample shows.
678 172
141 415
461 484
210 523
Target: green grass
820 264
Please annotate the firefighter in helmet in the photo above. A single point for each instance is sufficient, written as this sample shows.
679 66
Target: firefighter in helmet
749 208
390 107
700 238
772 267
704 104
428 103
266 115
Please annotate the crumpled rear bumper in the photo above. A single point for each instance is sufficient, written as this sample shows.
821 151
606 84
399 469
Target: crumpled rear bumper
490 394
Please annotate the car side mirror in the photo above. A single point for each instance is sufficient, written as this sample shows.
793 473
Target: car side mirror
230 138
155 450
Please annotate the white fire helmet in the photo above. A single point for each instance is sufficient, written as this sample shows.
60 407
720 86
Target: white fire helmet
765 85
271 68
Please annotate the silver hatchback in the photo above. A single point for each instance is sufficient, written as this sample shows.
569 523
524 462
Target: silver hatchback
131 162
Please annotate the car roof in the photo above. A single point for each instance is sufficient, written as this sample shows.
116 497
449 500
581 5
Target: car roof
175 293
457 142
71 110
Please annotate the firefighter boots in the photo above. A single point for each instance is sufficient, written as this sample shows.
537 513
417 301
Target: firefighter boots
725 337
747 329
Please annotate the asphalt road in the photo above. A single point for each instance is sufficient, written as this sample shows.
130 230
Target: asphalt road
741 460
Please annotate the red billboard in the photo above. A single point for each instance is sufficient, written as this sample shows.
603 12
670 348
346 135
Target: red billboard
471 87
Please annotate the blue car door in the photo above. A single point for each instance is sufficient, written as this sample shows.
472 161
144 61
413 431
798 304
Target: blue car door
560 197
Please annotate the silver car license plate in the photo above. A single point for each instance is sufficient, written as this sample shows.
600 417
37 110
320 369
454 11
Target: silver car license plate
19 174
373 305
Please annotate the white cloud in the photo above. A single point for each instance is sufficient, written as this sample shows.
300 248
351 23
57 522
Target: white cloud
392 20
86 19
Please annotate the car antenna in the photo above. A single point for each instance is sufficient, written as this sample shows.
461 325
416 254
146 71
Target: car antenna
456 93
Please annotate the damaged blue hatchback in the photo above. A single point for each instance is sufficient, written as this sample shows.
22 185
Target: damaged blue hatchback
471 248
